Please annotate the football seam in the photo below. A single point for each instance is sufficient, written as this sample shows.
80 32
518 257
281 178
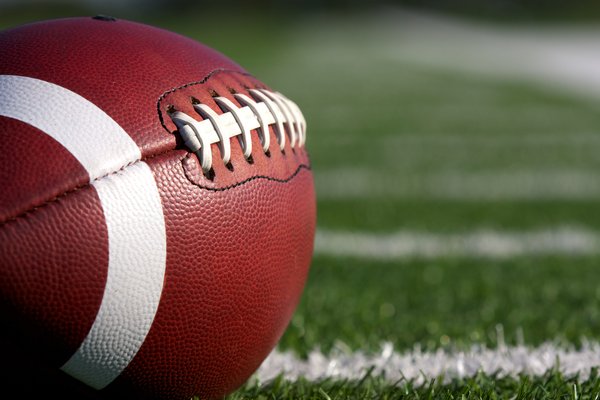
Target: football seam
79 187
124 167
299 168
200 82
161 98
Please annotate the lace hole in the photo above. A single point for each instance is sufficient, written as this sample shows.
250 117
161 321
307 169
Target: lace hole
250 160
268 153
229 166
210 174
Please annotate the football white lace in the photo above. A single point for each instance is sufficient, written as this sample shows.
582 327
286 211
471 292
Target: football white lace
264 109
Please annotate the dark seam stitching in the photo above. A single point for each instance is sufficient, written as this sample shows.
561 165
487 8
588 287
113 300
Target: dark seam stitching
160 99
80 187
200 82
252 178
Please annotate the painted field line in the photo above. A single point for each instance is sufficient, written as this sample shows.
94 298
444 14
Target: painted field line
459 184
481 243
421 367
563 56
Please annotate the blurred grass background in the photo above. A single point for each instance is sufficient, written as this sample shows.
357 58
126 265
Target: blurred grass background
402 145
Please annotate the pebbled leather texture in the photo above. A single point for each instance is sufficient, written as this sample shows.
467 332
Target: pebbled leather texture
28 176
122 67
53 268
238 260
238 243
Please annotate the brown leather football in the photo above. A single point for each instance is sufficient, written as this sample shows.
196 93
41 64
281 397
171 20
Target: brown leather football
157 208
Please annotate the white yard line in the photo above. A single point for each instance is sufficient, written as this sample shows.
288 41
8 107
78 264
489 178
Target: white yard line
567 58
461 167
492 244
562 56
420 367
355 182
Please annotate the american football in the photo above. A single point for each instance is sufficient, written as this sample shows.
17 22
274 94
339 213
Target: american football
157 210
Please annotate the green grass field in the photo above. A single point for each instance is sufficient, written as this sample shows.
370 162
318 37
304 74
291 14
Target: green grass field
398 146
550 386
446 302
382 134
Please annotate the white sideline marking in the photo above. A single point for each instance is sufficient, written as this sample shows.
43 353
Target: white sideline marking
482 243
421 366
